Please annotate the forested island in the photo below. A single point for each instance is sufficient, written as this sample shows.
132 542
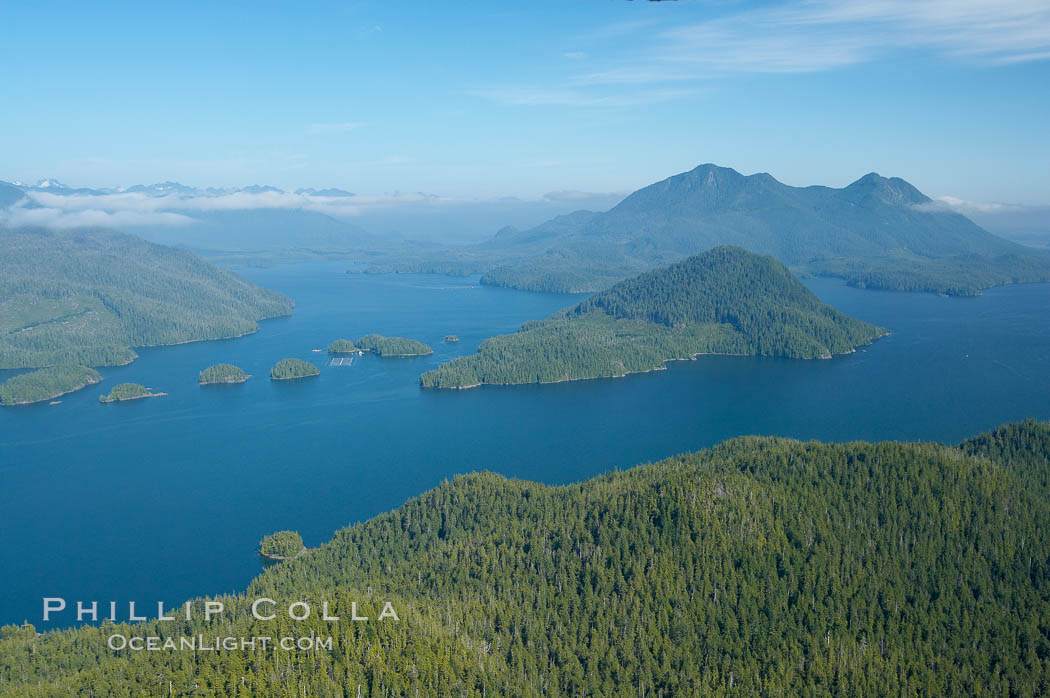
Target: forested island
46 383
343 346
723 301
451 338
222 373
763 566
393 347
287 369
282 545
128 391
88 296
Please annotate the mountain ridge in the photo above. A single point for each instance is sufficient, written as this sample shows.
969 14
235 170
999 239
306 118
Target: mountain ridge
87 296
874 224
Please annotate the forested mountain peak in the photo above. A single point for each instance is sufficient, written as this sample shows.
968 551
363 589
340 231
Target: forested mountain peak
892 190
877 231
724 284
763 566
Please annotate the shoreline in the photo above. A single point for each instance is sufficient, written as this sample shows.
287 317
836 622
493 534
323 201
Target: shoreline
201 339
52 397
228 381
646 370
108 400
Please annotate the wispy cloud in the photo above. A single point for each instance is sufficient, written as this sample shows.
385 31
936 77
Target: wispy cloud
634 76
616 30
763 47
802 37
121 209
824 34
567 96
341 127
144 204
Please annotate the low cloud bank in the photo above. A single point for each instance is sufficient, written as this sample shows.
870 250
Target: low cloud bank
413 214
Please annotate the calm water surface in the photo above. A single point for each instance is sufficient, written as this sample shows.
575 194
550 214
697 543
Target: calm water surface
166 499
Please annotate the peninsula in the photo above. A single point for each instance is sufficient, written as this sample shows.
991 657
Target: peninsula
393 347
86 297
128 391
288 369
47 384
723 301
222 373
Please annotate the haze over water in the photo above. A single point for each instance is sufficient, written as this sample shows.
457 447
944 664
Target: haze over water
167 498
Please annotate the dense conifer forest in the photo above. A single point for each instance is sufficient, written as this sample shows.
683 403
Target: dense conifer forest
393 346
726 300
763 566
222 373
128 391
293 368
281 545
342 346
46 383
88 296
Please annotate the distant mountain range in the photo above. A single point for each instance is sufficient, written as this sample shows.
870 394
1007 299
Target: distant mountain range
229 230
53 186
879 232
10 194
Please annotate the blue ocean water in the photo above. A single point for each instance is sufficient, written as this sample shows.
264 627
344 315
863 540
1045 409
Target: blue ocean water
167 498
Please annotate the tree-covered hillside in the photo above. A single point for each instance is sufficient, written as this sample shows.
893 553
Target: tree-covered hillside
287 369
87 296
128 391
282 545
46 383
726 301
342 346
763 566
878 232
392 346
222 373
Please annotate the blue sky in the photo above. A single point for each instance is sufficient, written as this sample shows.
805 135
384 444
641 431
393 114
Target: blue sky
517 99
